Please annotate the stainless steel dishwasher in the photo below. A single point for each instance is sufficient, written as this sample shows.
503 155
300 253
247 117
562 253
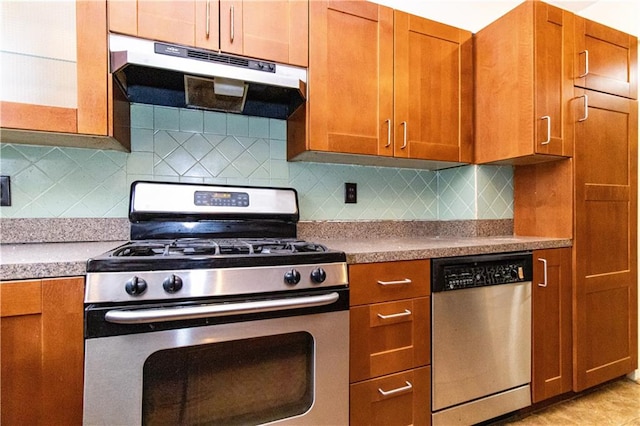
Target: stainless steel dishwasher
481 337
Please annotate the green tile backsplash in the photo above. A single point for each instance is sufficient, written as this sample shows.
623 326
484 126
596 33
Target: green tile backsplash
171 144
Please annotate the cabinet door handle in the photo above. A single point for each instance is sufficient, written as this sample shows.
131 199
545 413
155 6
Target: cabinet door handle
388 121
586 63
404 137
544 263
208 31
232 28
406 313
586 108
405 281
546 117
406 388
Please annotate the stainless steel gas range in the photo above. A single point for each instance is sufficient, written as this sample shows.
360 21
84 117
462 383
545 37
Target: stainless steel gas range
215 313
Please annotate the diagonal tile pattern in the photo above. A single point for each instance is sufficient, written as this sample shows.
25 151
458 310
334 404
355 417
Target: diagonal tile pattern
173 144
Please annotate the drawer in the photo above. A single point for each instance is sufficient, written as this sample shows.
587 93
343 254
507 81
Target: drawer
397 399
385 281
389 337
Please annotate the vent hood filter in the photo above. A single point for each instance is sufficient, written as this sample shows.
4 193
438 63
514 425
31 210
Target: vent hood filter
218 93
157 73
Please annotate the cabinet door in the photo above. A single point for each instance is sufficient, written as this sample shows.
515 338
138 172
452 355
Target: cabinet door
524 86
389 337
553 133
433 90
42 351
350 103
606 60
274 30
551 361
605 241
85 84
398 399
192 23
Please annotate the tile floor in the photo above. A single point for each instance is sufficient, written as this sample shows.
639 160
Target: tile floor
616 404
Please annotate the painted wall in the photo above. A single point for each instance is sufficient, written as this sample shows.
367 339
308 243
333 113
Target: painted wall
171 144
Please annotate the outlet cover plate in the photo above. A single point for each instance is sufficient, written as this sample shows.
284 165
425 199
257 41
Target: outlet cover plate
350 193
5 191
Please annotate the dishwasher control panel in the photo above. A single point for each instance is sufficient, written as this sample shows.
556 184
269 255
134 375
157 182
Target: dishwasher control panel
457 273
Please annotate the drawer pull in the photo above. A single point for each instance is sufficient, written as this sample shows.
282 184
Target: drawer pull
406 313
405 281
406 388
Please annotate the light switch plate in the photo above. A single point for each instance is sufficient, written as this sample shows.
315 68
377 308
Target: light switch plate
5 191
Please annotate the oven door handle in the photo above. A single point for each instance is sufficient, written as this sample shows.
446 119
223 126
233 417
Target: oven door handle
145 316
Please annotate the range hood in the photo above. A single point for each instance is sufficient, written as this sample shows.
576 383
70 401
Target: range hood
158 73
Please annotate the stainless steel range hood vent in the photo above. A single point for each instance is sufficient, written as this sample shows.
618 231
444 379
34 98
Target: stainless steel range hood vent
170 75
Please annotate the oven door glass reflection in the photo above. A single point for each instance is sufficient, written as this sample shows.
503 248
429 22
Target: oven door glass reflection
249 381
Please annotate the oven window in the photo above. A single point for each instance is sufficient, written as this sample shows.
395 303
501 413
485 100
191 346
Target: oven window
249 381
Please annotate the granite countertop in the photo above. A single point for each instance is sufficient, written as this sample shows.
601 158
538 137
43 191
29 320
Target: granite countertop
46 260
393 249
42 260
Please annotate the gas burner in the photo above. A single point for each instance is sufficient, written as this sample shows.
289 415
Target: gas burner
211 247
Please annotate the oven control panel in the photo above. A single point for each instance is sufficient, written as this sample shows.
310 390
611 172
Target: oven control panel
221 198
478 271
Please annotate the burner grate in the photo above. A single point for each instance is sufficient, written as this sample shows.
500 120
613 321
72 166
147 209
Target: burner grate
210 247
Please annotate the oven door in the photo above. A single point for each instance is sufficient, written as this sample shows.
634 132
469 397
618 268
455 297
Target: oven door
286 369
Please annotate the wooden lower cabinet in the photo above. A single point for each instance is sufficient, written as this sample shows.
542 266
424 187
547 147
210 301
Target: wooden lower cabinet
397 399
390 343
389 337
551 345
595 196
41 351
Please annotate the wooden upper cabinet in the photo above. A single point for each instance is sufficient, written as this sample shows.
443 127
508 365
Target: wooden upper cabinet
433 90
606 60
48 102
384 85
274 30
524 86
350 103
551 327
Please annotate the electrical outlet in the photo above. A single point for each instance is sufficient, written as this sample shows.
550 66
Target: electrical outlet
5 191
351 193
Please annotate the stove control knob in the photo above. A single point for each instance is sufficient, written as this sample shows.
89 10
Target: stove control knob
172 284
135 286
292 277
318 275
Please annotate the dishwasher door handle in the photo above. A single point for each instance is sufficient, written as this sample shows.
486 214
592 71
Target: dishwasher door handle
151 315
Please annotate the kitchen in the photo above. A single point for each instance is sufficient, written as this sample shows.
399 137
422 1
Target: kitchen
167 144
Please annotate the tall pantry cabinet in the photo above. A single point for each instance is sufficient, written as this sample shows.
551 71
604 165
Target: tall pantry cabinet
592 198
556 96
